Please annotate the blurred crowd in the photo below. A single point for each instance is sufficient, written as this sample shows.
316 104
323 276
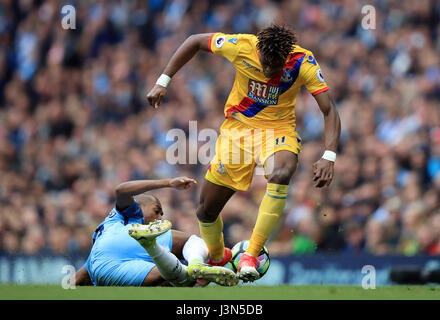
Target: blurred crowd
74 121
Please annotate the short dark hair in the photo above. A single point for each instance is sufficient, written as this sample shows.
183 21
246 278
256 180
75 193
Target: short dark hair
275 42
145 198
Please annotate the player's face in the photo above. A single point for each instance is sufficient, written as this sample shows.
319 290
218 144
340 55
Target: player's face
152 211
270 68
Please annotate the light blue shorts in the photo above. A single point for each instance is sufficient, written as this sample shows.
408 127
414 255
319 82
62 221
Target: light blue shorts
129 270
127 273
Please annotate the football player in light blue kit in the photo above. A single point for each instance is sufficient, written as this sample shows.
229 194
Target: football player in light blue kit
135 247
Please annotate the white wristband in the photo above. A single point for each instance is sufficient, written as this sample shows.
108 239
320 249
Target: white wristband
163 80
329 155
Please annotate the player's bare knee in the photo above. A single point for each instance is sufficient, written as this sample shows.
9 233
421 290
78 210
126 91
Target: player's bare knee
204 214
281 175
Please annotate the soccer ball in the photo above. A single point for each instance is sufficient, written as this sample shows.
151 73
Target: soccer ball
263 260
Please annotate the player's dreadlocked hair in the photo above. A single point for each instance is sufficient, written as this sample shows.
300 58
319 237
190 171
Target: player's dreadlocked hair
275 42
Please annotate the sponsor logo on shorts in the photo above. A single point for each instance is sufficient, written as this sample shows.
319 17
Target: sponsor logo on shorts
263 92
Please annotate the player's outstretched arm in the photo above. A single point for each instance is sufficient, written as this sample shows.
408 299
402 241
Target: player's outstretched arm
323 169
125 191
82 278
183 54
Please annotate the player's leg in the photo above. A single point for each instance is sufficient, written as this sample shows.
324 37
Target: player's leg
213 198
284 164
154 279
184 246
189 247
231 169
180 238
127 273
195 251
167 263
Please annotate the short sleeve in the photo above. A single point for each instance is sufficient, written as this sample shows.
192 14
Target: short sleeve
86 265
133 212
226 45
311 75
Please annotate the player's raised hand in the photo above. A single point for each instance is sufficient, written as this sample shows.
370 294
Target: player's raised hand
156 95
182 183
323 173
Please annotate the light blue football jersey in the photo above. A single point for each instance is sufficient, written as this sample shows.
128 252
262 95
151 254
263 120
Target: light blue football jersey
116 258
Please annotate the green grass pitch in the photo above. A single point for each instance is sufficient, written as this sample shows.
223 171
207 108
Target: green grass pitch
283 292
